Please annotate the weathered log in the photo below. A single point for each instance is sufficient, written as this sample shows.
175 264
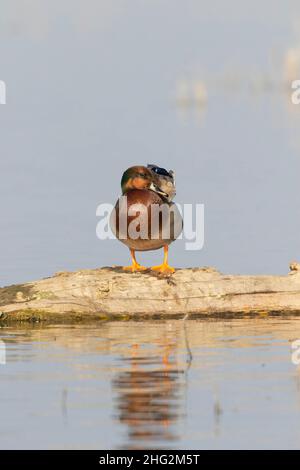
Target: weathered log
111 292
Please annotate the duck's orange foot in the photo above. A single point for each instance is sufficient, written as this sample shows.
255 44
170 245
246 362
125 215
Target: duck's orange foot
163 269
135 267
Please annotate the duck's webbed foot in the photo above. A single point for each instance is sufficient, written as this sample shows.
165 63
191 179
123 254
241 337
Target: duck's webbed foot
135 267
164 268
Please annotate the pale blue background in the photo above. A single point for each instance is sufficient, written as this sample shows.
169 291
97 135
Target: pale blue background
91 90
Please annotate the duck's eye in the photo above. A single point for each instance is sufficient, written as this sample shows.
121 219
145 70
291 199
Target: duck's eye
142 175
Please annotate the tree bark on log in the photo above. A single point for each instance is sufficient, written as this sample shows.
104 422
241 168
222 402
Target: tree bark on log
111 292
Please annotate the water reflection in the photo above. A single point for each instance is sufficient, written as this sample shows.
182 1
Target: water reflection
136 385
149 396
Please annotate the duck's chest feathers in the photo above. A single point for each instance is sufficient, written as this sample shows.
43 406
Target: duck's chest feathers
145 221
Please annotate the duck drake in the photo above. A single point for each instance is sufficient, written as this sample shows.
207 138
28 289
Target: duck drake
148 191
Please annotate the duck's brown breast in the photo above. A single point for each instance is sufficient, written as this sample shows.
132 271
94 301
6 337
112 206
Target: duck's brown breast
143 221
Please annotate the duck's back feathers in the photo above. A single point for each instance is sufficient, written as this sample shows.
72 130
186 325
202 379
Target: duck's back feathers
165 180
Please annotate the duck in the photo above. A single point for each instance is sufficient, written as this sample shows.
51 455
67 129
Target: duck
144 217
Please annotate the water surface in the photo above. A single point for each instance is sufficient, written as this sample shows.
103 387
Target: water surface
209 384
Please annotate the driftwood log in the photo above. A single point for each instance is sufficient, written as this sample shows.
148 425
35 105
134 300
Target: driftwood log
111 292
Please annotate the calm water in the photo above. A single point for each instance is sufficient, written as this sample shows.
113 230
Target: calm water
92 88
211 384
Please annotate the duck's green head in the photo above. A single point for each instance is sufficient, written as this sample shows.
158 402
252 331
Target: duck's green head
139 177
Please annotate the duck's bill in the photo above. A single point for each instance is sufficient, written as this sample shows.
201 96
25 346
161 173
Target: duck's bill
157 190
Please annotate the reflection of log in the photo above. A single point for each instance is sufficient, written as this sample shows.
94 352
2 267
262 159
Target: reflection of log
106 292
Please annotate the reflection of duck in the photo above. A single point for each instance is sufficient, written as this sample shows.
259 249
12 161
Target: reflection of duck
148 397
152 220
